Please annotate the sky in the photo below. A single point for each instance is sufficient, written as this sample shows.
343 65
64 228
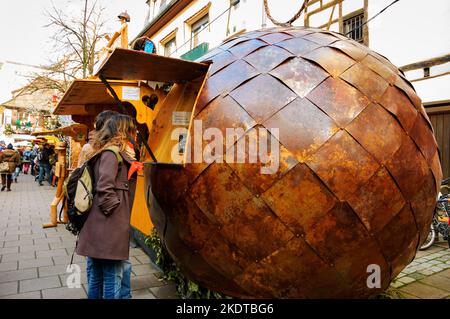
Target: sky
25 39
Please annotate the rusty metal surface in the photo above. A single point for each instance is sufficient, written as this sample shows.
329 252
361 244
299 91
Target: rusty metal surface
266 58
382 142
381 195
300 75
249 173
298 45
335 66
269 101
302 116
357 181
400 106
331 94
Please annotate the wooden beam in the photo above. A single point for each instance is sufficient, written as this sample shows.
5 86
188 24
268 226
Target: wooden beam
324 7
437 109
426 63
305 16
330 22
311 2
366 25
430 77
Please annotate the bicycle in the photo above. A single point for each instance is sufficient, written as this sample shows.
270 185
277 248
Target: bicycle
440 222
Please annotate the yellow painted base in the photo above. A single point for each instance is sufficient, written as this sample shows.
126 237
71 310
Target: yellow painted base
140 217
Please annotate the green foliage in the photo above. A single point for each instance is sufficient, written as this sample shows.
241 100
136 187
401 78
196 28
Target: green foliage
186 289
52 123
8 130
391 293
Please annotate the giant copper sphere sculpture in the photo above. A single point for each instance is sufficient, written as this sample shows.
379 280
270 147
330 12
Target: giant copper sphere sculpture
357 180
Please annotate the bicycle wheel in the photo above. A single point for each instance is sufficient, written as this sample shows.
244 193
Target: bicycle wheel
430 239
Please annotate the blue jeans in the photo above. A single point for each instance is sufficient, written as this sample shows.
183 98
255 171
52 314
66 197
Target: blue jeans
108 279
16 173
47 168
125 291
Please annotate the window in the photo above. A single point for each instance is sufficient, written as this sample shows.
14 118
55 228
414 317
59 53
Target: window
196 28
353 28
170 46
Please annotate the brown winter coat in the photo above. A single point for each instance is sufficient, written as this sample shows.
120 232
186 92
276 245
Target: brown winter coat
12 157
105 234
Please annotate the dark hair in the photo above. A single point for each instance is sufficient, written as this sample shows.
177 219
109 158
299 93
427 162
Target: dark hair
102 117
10 146
115 131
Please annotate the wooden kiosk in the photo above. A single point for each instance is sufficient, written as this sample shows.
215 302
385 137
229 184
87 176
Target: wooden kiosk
135 78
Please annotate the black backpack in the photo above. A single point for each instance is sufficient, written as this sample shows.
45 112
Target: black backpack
79 191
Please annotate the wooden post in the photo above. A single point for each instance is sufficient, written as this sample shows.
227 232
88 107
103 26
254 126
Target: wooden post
60 172
365 29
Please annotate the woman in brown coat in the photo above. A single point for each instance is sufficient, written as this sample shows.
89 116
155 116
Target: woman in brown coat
104 238
12 158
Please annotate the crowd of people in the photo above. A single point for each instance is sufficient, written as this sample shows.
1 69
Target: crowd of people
38 160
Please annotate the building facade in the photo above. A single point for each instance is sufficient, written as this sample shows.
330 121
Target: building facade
28 112
410 33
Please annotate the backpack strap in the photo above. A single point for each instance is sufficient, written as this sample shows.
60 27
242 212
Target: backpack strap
116 151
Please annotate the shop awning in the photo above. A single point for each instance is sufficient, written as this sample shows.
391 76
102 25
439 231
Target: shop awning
124 64
48 139
73 130
85 92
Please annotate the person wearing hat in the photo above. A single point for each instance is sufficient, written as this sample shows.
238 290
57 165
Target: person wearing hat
122 33
11 158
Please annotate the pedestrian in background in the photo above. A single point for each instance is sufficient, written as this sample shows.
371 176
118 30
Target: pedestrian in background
34 154
11 158
44 164
26 160
18 166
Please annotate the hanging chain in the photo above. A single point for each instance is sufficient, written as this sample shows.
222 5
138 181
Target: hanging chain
289 22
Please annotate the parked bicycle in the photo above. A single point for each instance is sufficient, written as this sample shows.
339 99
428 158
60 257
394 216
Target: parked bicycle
440 222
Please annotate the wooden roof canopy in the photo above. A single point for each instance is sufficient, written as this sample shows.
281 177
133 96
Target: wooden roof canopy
72 130
124 68
127 64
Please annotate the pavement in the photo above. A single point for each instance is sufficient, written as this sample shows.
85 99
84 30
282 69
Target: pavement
34 260
427 276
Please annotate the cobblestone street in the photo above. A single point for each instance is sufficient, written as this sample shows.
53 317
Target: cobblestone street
33 260
428 276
